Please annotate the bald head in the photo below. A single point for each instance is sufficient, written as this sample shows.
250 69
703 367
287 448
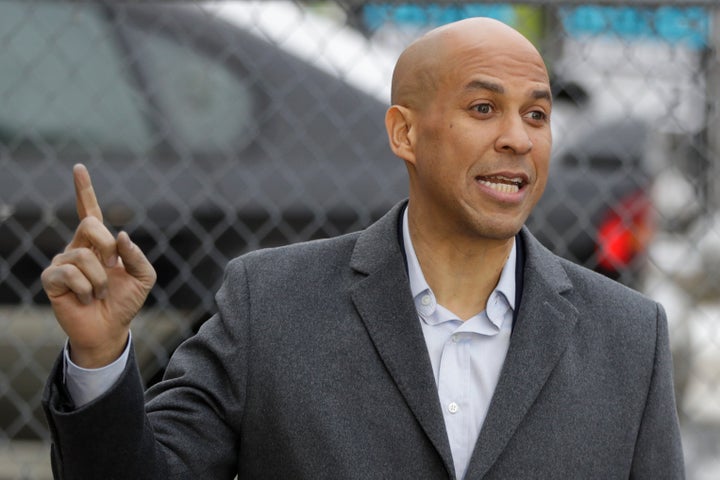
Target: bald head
418 72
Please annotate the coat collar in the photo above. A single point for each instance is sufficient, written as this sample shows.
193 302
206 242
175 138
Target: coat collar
381 294
545 321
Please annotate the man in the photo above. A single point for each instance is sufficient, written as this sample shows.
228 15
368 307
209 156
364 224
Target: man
442 342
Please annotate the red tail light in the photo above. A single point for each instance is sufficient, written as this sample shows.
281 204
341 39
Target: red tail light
625 232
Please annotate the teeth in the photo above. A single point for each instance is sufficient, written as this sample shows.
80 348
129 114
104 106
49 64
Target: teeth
503 187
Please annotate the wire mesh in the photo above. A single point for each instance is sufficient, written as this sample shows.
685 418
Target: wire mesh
215 128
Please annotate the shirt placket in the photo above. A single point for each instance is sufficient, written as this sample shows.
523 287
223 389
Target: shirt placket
453 394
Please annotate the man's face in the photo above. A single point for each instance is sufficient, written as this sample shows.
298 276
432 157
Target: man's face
483 141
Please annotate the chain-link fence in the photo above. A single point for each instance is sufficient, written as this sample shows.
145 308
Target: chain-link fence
211 129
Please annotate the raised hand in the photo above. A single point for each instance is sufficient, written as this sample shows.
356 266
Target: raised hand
98 284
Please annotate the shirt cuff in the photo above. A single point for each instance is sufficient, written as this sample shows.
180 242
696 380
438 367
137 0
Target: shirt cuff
86 384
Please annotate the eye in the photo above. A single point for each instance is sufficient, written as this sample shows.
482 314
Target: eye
538 116
483 108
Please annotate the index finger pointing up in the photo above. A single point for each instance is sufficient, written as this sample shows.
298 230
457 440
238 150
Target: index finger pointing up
85 200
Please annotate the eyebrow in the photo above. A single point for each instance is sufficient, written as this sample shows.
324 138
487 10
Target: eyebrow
484 85
539 94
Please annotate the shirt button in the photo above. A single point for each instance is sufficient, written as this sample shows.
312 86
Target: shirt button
453 407
426 300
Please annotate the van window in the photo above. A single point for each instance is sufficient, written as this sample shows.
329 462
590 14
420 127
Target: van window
206 106
63 81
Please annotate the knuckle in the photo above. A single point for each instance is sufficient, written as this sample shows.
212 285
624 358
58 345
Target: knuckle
65 271
58 259
101 283
88 222
84 255
55 271
56 275
77 256
80 286
47 274
91 229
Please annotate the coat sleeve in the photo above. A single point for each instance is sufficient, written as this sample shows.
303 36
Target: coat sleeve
186 427
658 450
107 438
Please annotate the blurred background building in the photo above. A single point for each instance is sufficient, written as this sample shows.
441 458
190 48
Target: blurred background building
215 128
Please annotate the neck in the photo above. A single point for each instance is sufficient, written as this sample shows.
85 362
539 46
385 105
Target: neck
462 272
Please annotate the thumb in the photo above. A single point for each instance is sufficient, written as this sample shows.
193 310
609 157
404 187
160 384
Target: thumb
135 261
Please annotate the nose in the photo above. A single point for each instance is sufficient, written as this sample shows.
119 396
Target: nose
514 137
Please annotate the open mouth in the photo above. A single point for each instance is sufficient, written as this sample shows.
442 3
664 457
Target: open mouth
502 184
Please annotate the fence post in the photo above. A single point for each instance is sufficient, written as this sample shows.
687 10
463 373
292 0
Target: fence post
712 130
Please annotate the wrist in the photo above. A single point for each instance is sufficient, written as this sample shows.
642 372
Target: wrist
97 356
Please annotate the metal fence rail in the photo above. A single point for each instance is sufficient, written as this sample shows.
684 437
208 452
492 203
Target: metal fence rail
215 128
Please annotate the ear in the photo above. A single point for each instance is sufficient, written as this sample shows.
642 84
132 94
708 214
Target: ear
401 133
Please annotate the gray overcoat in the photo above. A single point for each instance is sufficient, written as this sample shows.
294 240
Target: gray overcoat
315 368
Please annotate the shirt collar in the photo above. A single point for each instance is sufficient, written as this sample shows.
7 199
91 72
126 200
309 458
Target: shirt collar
506 285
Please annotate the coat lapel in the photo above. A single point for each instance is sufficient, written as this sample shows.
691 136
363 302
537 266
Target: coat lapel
546 321
381 294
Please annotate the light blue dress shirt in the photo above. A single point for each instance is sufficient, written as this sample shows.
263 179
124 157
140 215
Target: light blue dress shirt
86 384
467 356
